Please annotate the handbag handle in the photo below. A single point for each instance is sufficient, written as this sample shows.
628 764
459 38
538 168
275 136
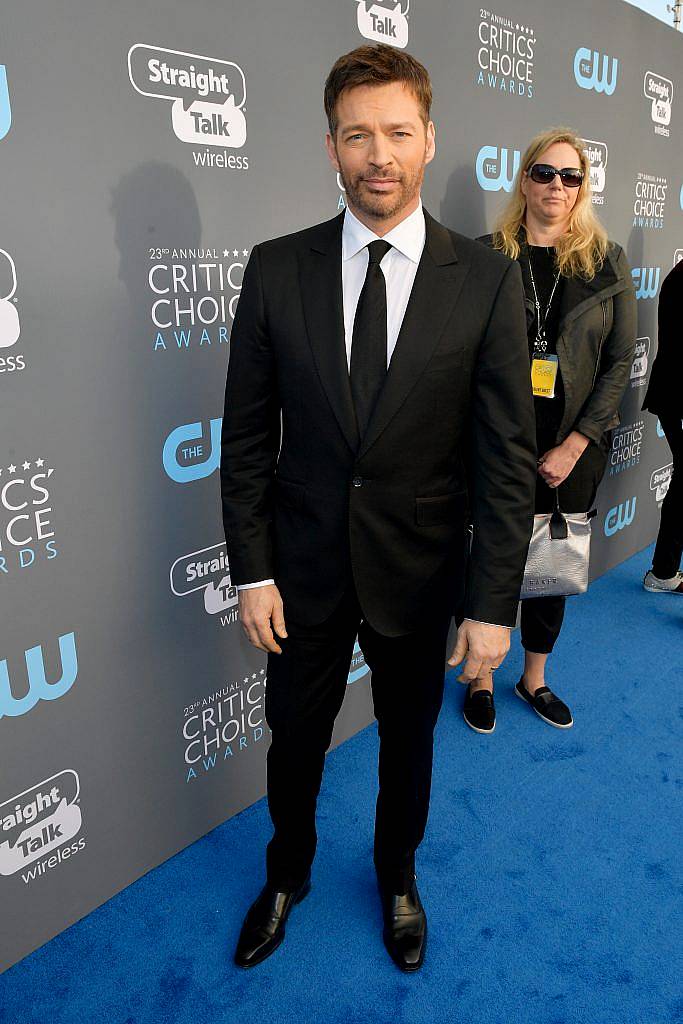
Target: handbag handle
558 524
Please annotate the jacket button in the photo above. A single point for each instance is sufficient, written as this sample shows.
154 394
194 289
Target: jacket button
357 481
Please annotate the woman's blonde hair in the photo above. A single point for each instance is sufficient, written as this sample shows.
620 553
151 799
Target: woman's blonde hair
582 248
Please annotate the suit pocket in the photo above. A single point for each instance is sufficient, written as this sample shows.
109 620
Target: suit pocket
446 508
290 494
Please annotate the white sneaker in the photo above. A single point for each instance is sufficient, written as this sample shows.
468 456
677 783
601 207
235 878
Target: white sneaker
657 586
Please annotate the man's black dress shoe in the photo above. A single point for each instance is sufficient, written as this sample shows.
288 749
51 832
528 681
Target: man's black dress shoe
479 710
405 928
264 926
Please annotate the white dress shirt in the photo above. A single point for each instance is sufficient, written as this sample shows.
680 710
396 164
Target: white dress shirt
399 267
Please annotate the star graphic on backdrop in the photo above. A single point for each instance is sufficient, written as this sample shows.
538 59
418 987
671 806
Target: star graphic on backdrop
12 469
226 252
40 463
246 679
26 465
235 252
245 252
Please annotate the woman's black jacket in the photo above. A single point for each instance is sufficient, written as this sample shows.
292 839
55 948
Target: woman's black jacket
595 345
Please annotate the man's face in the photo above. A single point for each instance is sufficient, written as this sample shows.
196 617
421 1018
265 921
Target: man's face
380 148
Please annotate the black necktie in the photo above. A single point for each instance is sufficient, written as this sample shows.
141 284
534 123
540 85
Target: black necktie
369 341
369 344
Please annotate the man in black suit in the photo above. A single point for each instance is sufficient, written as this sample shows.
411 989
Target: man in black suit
377 400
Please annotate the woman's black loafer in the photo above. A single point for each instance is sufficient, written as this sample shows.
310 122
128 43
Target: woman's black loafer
546 705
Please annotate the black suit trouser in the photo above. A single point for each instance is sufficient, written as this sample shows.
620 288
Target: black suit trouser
305 690
669 547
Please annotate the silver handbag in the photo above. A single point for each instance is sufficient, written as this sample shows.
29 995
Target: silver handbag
559 554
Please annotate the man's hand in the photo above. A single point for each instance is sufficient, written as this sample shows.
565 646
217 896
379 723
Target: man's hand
485 647
556 465
260 608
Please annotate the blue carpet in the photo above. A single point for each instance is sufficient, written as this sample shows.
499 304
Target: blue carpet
551 872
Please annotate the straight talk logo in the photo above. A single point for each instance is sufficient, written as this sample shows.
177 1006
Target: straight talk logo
208 98
38 826
385 21
207 570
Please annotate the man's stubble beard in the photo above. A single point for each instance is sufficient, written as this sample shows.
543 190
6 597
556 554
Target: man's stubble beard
382 207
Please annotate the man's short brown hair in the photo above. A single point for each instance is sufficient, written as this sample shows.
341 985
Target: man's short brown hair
377 65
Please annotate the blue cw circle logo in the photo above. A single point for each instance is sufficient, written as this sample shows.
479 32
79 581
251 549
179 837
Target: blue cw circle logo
184 455
590 73
358 668
5 110
646 281
619 517
38 686
496 168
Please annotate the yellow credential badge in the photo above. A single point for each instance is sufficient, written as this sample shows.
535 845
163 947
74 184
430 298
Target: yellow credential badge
544 376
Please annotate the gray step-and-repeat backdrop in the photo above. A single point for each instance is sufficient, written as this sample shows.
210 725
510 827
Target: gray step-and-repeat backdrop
145 147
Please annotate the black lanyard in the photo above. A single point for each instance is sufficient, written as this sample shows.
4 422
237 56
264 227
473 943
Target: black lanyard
541 344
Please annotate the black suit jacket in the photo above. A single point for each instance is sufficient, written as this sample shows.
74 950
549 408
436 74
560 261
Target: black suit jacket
664 395
310 504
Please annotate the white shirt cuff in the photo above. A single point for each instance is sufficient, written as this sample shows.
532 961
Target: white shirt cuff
489 623
252 586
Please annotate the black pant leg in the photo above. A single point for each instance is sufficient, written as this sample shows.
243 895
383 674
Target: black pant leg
669 547
542 617
540 623
305 690
407 689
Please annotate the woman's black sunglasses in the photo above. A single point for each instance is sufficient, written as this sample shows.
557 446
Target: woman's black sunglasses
543 174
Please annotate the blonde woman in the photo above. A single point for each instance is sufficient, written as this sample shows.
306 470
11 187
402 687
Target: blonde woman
581 318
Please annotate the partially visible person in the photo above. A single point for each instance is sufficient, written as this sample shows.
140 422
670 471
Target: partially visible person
665 398
581 320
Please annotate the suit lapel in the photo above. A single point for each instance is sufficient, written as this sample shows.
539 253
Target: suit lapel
435 291
321 293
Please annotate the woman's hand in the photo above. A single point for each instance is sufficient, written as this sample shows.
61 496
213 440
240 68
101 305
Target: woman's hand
556 465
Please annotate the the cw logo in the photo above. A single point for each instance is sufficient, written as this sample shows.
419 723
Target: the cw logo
493 168
5 109
358 668
620 516
588 75
179 442
646 281
38 686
